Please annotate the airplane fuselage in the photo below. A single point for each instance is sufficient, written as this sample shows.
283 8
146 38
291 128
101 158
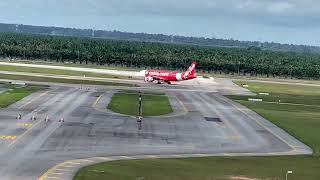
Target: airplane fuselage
168 76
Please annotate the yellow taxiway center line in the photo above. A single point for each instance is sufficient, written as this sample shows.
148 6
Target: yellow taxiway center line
182 104
45 175
52 177
24 124
8 137
60 169
103 158
69 166
96 102
19 137
71 162
34 99
56 173
184 110
49 171
259 123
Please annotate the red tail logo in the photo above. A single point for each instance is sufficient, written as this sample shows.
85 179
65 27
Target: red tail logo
191 70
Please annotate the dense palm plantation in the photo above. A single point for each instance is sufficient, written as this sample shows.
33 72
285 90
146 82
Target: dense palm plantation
251 61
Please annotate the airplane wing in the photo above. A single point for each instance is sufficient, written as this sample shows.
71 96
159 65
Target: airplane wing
159 78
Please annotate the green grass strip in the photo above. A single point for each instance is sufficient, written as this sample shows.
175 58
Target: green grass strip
152 105
14 94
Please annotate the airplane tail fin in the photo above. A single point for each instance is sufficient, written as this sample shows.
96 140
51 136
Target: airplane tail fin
192 69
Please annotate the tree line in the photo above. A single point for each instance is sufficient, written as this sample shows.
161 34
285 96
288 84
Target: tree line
241 61
144 37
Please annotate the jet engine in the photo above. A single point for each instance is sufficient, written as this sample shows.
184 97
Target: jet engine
149 79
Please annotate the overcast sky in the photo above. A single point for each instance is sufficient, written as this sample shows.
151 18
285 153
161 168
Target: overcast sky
285 21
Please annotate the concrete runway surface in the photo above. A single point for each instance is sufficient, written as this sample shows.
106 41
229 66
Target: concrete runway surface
203 122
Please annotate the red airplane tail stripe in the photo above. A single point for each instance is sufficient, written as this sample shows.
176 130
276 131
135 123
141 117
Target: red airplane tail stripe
192 69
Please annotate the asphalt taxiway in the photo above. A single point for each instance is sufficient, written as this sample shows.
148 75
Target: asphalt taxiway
204 123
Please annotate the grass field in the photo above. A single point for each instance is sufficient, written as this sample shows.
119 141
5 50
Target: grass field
211 168
61 80
153 104
58 72
14 94
302 121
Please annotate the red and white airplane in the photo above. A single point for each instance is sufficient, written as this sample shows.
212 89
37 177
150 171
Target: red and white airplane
161 76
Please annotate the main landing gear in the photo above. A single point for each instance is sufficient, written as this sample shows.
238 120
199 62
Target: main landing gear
162 82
